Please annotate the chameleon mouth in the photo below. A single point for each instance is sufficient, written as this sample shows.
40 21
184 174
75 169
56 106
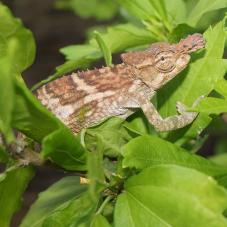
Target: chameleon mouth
191 44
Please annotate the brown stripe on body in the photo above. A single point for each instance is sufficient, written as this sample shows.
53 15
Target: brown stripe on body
84 98
97 110
66 90
107 78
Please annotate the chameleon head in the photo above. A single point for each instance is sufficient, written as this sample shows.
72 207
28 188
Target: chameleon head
162 61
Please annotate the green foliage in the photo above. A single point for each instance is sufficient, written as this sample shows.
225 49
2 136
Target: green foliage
169 195
95 171
7 91
136 176
4 156
55 198
212 105
99 9
10 199
67 153
202 7
111 134
104 48
77 212
11 27
147 151
100 221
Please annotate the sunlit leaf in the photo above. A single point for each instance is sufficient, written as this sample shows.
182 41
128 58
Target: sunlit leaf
212 105
7 90
221 87
202 7
169 195
11 27
100 221
105 49
147 151
179 14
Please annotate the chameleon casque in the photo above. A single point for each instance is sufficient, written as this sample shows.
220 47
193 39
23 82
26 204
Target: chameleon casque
83 99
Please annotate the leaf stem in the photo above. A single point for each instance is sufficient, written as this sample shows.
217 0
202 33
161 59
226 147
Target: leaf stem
107 199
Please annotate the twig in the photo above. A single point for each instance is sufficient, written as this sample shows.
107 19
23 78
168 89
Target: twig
107 199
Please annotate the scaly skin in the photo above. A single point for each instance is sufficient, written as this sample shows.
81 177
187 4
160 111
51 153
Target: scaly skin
86 98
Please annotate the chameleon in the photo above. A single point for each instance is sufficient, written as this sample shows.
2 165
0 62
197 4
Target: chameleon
83 99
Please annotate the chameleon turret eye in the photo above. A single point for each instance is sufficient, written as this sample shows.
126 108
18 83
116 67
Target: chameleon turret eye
165 61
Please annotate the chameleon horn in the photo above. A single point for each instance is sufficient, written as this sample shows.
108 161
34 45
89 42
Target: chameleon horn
192 43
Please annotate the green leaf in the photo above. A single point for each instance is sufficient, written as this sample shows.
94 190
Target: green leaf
180 31
117 38
222 180
210 18
99 221
101 10
161 10
76 52
212 105
169 195
148 151
110 134
179 14
104 48
30 117
77 212
202 7
220 159
56 197
149 10
221 87
221 144
7 90
138 124
152 13
95 168
4 156
64 149
13 183
123 36
11 27
142 9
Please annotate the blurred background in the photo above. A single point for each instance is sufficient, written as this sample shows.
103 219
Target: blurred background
53 29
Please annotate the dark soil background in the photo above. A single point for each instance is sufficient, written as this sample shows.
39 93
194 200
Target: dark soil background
52 29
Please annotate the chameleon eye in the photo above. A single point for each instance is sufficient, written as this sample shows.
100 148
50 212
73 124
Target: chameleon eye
165 61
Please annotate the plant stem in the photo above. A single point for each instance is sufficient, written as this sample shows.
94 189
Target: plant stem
107 199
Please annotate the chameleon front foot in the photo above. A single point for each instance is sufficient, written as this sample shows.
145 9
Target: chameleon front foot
182 108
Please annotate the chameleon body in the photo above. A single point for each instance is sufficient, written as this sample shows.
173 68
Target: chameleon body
83 99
